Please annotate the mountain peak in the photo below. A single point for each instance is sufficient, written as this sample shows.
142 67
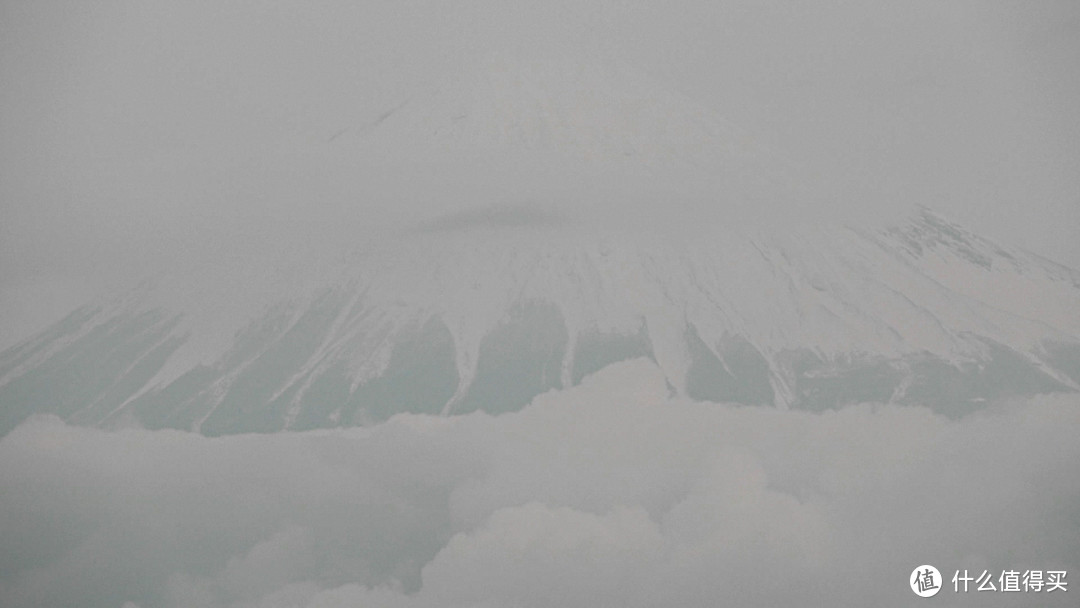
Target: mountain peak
581 107
570 126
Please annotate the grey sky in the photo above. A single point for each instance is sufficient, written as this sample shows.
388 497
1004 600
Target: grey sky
139 135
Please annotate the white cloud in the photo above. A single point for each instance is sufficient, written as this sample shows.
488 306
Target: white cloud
612 493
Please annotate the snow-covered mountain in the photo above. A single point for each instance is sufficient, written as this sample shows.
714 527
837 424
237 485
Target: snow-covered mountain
484 311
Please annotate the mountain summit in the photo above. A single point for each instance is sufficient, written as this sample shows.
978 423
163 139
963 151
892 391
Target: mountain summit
586 107
569 124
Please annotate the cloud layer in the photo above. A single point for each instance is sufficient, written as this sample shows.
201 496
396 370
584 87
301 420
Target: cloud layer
611 493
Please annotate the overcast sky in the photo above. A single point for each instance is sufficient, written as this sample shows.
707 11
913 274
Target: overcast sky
139 135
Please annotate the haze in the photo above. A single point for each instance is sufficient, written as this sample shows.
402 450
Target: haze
141 136
401 352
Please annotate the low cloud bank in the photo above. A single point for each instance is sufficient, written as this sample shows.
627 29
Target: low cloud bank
611 493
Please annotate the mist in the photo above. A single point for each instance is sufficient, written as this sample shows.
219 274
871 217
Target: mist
143 137
610 493
568 228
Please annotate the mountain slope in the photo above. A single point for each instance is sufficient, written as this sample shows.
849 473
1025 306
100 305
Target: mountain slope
485 317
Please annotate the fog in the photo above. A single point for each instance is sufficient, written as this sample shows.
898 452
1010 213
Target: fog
245 146
137 137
